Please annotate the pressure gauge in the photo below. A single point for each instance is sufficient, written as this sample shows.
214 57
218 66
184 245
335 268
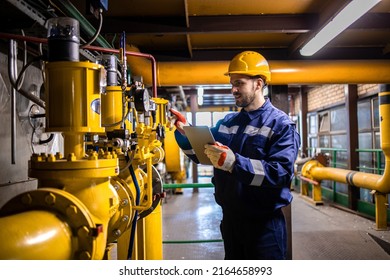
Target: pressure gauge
142 100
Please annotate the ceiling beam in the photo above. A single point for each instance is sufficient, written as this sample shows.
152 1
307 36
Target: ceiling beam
211 24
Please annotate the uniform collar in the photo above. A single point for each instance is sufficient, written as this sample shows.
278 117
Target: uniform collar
255 113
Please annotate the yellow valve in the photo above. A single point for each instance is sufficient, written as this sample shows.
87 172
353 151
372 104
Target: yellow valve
73 97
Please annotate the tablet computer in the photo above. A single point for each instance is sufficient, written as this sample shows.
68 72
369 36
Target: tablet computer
198 137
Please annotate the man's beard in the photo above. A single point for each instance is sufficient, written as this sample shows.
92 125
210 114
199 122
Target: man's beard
244 101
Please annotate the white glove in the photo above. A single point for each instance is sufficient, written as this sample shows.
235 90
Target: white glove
179 120
221 156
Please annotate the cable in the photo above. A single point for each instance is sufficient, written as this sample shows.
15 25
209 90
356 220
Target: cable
18 80
34 127
97 31
134 225
130 159
48 140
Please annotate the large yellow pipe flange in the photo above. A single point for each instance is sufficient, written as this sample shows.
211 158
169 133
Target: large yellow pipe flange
49 167
125 215
83 242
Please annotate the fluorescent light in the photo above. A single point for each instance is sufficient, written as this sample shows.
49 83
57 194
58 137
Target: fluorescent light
338 24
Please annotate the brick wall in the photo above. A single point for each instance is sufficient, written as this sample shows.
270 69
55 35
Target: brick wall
324 96
366 89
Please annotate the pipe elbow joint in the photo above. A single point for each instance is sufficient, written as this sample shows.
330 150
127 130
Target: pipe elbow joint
308 167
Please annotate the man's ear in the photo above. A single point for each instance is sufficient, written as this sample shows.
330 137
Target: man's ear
260 83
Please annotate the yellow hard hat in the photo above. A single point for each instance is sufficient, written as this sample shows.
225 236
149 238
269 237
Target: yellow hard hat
249 63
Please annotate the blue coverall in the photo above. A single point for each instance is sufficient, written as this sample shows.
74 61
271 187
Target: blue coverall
265 143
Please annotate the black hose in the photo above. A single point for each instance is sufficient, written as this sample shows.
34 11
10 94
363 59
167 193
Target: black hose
134 225
41 142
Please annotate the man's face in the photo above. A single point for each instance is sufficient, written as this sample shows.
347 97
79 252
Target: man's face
245 90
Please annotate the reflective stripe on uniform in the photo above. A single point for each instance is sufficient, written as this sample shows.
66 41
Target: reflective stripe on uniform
249 129
264 131
258 171
228 130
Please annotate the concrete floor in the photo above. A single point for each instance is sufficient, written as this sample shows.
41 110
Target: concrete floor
191 231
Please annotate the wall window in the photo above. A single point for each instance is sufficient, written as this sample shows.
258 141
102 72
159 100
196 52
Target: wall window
369 138
337 119
324 122
364 115
327 133
312 135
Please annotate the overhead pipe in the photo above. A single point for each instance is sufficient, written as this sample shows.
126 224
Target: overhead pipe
282 72
147 57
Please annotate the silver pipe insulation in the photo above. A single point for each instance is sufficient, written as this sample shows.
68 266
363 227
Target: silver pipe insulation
12 72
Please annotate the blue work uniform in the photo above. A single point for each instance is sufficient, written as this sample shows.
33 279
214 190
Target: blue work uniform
265 143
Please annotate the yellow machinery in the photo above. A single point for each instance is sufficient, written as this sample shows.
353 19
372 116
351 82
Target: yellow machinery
104 193
314 171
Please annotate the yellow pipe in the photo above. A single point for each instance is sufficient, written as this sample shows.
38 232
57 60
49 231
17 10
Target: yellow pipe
282 72
153 234
315 171
379 183
112 108
148 187
383 185
74 145
35 235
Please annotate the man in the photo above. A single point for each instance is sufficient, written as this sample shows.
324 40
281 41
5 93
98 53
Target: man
253 163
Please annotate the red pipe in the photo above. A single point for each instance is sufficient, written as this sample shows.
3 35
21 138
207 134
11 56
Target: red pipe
308 180
148 56
92 48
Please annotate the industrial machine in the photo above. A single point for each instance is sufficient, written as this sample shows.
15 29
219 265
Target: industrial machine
101 198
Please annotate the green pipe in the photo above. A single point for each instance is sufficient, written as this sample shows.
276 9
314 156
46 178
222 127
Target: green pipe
368 150
331 149
188 186
68 8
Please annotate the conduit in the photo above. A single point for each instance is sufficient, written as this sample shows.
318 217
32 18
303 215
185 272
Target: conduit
212 72
148 58
282 72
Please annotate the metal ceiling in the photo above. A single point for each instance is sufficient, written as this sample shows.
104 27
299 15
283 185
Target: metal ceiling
216 30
